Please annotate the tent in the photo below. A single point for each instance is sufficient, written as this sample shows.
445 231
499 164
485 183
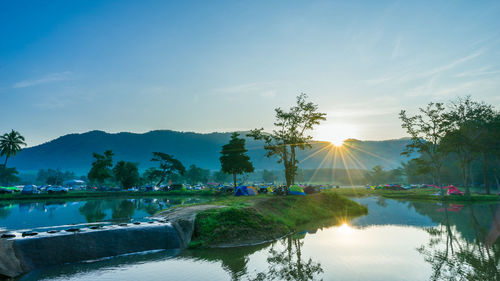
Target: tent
245 191
296 190
453 190
241 191
252 191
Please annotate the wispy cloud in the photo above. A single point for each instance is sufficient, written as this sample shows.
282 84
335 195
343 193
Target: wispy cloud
49 78
478 72
396 52
245 87
413 73
264 89
451 64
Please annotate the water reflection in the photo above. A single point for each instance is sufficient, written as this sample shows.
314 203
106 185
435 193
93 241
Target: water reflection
397 240
288 263
25 215
458 252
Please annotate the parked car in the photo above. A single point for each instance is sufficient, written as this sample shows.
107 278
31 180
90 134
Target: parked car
57 189
30 189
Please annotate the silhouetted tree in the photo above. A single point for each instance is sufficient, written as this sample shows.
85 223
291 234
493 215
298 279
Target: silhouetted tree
234 159
10 145
101 167
126 173
169 166
427 131
468 121
290 134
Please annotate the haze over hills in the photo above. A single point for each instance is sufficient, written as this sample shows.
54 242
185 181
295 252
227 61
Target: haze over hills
74 151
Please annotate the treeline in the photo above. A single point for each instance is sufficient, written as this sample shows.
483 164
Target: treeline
454 138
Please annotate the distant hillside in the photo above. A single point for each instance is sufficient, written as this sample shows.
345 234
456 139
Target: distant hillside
74 151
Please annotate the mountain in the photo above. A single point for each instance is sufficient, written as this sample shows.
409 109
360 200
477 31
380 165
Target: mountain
74 151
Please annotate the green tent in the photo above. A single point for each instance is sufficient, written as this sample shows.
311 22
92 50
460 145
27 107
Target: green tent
296 190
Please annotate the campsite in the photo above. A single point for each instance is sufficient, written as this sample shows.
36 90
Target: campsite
249 140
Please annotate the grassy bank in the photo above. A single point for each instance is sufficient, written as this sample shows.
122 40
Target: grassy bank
106 194
247 220
415 194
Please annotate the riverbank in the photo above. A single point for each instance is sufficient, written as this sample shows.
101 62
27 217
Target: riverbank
108 194
252 220
415 194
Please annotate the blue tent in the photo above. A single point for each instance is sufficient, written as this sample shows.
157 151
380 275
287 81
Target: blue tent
241 191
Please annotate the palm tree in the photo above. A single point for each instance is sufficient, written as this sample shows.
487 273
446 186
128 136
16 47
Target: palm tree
10 145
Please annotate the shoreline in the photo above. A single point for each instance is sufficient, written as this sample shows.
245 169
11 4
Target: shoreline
424 194
244 221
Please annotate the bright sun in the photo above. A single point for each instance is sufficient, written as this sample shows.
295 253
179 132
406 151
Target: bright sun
335 133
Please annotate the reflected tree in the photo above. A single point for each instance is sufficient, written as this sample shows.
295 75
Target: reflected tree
5 210
125 210
92 211
453 257
288 264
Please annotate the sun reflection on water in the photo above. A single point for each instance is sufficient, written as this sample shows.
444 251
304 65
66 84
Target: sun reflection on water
345 228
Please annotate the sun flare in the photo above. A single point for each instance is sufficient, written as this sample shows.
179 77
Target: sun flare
345 228
335 133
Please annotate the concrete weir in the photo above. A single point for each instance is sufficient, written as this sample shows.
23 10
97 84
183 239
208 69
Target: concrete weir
20 253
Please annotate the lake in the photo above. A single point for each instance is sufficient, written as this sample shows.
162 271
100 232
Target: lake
397 240
49 213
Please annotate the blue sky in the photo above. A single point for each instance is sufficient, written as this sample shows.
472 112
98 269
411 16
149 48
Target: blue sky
75 66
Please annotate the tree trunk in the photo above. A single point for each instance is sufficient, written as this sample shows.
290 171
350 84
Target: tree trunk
438 172
485 173
161 180
464 175
234 180
467 187
292 166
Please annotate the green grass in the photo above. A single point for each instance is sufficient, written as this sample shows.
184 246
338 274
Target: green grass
247 220
107 194
415 194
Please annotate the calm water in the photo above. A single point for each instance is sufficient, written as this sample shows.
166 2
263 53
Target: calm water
397 240
33 215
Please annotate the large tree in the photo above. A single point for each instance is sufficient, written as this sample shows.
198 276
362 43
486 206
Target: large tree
151 175
101 167
127 174
468 134
10 145
168 166
494 144
290 134
234 159
427 131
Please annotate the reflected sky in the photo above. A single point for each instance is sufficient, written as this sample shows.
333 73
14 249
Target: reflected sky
28 215
439 242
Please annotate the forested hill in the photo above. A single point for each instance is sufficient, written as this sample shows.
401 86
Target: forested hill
74 151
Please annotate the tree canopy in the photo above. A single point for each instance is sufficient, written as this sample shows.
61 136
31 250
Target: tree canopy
290 134
168 166
427 131
10 145
101 167
234 159
127 173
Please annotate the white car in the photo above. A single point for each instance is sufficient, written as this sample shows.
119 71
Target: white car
57 189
